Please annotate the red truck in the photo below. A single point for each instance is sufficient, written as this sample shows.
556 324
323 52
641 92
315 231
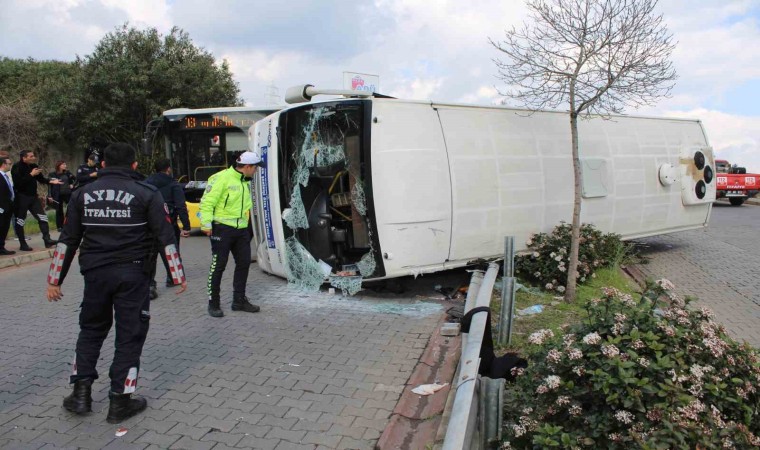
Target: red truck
735 183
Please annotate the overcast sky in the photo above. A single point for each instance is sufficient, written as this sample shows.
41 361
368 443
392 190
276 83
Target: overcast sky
421 49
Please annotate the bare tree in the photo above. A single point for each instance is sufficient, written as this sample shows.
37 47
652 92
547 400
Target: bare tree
592 57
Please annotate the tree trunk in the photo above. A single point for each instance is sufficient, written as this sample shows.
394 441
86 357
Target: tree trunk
572 268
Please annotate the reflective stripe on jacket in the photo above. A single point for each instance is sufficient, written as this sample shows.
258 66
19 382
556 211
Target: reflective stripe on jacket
227 200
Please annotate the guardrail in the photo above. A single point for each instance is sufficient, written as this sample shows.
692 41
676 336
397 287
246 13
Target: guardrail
475 419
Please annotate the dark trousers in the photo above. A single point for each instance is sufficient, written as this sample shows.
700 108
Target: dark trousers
224 240
26 203
63 199
160 251
117 291
5 225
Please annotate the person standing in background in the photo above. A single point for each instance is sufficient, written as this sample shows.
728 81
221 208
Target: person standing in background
174 198
87 172
26 175
61 193
6 202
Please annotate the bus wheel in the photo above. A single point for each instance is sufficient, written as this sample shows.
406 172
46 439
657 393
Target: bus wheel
735 201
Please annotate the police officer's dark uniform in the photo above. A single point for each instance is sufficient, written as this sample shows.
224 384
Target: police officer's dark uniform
117 219
25 185
174 197
85 171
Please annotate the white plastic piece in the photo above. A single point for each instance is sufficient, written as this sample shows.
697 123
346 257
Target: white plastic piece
428 389
667 174
326 268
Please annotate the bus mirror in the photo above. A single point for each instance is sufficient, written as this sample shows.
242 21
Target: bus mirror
146 146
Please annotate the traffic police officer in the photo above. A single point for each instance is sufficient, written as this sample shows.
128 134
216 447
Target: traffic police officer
117 220
226 218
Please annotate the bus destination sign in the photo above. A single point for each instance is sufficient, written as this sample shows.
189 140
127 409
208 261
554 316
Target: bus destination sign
209 122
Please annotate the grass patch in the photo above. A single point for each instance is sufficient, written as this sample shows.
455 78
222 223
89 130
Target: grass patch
31 226
558 314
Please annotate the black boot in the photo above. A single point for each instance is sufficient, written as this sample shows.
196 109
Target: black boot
214 310
124 406
242 304
80 400
47 241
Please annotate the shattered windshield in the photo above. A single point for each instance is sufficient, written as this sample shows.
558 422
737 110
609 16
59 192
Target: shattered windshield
323 175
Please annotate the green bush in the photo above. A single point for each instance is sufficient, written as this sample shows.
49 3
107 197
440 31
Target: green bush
548 256
647 374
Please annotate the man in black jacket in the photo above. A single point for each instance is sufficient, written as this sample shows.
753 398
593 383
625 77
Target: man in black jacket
117 219
26 175
174 198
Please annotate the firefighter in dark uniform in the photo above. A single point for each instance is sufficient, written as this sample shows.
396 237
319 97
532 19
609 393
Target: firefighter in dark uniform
117 219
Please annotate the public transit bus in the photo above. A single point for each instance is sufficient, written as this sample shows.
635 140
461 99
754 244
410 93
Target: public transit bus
370 187
201 142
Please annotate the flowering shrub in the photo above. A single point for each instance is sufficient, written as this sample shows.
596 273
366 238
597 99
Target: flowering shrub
635 375
548 257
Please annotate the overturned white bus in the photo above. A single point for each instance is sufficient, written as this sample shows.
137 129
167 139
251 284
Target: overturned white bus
401 187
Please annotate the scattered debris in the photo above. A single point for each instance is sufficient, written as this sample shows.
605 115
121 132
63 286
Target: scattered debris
530 310
455 313
428 389
450 293
450 329
121 432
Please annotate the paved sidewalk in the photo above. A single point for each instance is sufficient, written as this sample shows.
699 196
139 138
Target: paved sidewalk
309 371
717 265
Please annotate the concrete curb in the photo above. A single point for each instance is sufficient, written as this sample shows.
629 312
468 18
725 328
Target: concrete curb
20 259
415 420
23 258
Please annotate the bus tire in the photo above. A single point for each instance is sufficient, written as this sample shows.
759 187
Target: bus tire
736 201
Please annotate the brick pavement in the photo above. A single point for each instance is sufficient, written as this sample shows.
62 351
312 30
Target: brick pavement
310 371
720 266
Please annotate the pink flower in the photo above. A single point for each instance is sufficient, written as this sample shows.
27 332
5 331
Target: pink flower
592 338
624 417
574 354
610 351
540 336
552 382
554 356
666 284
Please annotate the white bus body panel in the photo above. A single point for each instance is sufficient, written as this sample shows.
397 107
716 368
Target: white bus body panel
413 202
449 182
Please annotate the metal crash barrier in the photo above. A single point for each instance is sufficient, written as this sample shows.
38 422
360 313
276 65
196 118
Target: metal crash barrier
476 414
